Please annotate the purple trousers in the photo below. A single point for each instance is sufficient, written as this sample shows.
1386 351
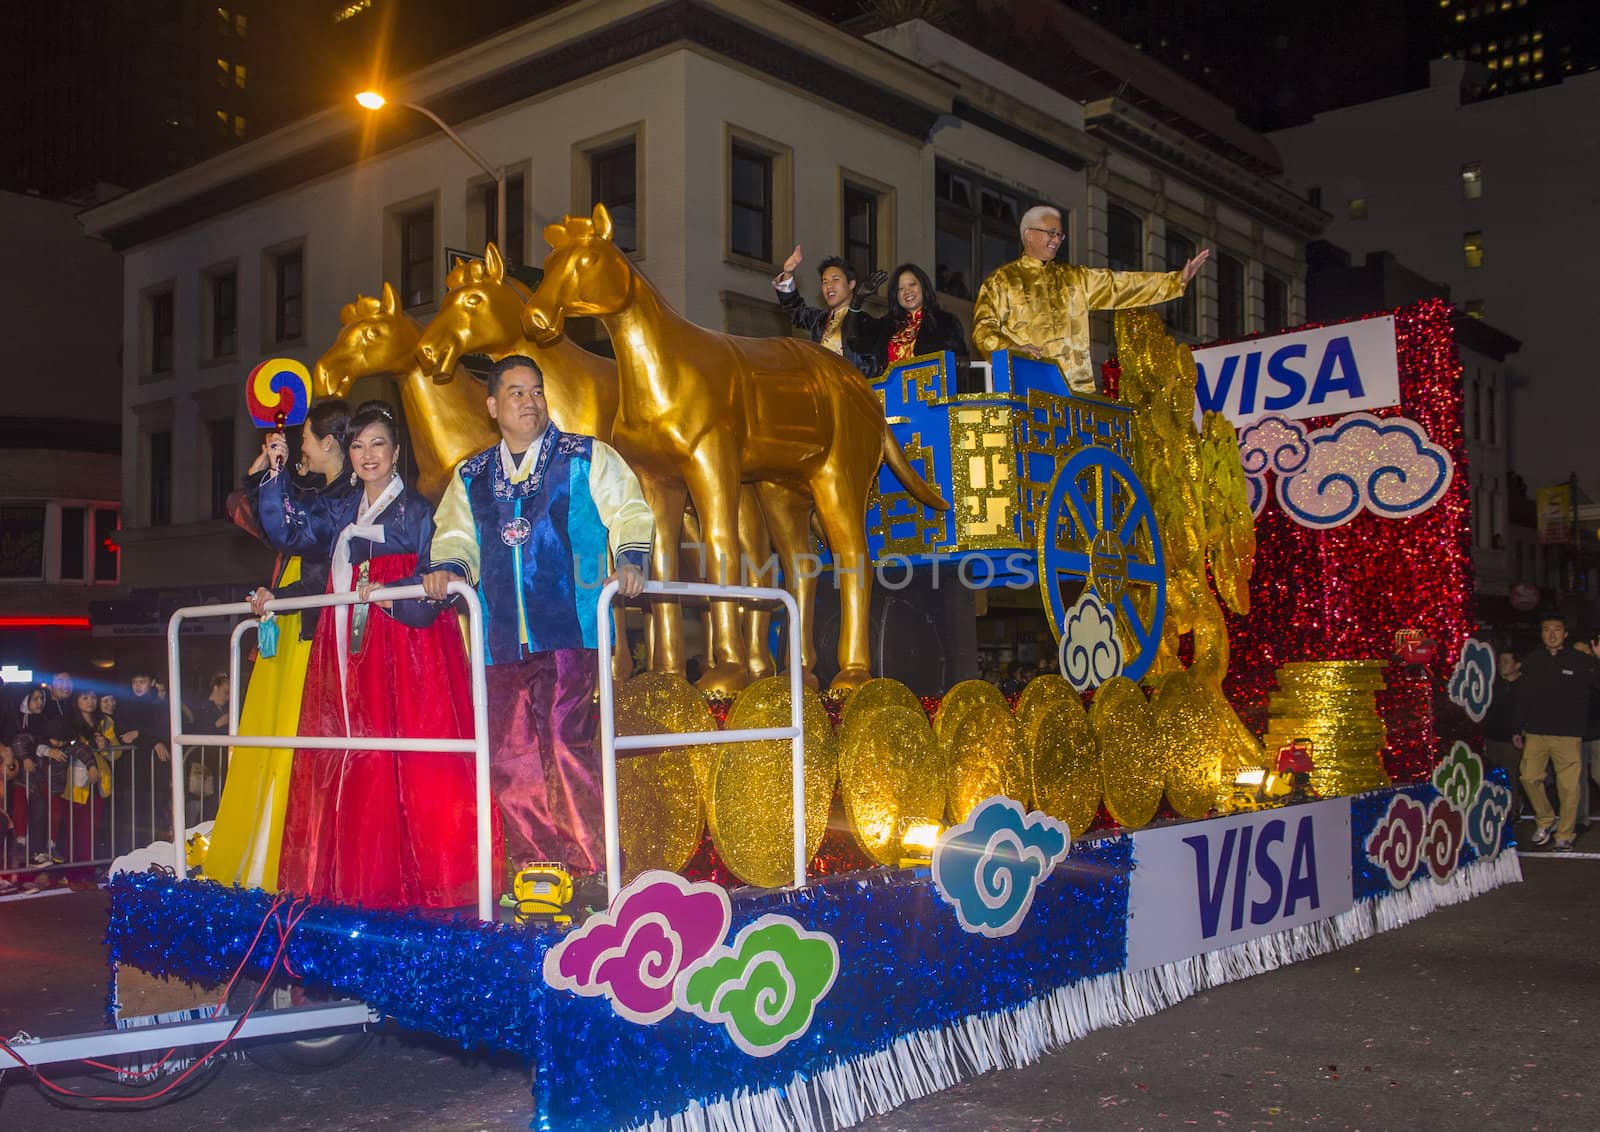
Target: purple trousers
543 765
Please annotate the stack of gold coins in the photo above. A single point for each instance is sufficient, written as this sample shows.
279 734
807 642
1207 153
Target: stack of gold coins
1331 703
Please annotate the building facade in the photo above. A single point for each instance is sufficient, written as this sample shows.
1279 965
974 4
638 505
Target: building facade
1495 199
721 135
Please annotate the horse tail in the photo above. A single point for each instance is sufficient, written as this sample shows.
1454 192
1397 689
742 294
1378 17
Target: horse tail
895 457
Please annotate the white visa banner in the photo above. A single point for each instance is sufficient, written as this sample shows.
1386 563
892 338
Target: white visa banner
1325 372
1206 885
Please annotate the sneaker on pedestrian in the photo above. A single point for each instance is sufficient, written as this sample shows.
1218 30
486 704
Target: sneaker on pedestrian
1562 845
1540 835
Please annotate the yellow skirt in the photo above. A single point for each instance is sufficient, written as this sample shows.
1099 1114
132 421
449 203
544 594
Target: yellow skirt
249 828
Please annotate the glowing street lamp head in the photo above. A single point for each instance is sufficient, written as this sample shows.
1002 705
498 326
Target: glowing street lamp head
371 99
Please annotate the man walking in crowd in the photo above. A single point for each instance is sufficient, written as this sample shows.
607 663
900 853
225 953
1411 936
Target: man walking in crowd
831 328
529 523
1038 308
1553 709
1501 740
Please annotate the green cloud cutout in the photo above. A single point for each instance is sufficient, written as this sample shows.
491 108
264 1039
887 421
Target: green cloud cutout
763 989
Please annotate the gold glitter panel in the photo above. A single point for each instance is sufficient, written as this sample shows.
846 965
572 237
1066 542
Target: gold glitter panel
985 756
1192 734
1130 753
891 774
1331 702
1064 762
748 806
964 697
659 792
881 692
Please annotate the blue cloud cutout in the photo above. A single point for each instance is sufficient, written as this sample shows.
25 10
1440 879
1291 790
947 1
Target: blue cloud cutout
1472 683
989 867
1486 822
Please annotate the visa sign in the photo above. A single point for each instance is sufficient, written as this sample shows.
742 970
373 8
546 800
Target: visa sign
1328 371
1208 885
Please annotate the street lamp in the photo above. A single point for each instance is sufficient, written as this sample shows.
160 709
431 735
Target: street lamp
372 100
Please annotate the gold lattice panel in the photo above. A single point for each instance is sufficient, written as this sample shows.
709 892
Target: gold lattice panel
1052 428
983 466
899 508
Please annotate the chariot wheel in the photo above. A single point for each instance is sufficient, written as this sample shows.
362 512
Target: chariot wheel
1097 530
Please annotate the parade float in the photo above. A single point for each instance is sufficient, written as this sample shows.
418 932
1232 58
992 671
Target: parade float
1229 545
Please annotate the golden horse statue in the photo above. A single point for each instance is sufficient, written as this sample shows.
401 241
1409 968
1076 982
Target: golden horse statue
1202 507
482 314
447 421
702 413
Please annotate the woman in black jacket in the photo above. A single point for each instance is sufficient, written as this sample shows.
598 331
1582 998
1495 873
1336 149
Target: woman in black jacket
915 325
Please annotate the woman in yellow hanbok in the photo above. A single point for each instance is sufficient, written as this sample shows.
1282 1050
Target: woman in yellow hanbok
246 837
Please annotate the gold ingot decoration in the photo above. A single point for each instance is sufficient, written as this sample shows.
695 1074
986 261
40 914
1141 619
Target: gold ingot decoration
1063 761
1332 703
659 791
701 413
1192 733
1131 760
891 774
985 755
967 696
748 806
447 418
882 692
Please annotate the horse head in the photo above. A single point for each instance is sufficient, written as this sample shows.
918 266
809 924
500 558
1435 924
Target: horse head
375 336
481 314
585 275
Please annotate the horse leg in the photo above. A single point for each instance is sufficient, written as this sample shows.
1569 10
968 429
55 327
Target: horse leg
666 500
840 492
713 478
788 510
755 551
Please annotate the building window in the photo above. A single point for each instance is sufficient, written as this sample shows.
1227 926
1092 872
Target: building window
160 308
513 247
224 72
107 555
416 257
1474 308
1476 410
614 182
1230 297
238 126
1179 314
22 541
160 478
1314 196
860 211
288 296
219 439
241 25
977 230
1472 249
750 207
224 313
73 559
1357 208
240 74
1490 432
1275 300
1472 180
1124 239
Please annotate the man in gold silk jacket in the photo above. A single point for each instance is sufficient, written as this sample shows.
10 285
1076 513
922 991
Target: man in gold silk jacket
1040 309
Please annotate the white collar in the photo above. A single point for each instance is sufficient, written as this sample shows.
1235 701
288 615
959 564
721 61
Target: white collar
515 472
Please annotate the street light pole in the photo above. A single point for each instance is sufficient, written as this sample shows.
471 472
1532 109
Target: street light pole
374 101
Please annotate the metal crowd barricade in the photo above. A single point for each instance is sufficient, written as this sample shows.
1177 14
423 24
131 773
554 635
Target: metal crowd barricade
48 840
477 746
611 743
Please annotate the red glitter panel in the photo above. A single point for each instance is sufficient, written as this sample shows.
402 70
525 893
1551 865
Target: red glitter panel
1340 594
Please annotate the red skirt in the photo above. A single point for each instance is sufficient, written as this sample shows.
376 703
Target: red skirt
383 829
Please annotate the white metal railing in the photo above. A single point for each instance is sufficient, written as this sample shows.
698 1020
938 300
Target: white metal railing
611 743
477 746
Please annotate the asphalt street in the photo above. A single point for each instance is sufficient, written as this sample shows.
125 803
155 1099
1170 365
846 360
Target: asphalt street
1479 1016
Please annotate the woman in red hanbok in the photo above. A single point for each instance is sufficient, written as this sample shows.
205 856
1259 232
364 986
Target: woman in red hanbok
378 829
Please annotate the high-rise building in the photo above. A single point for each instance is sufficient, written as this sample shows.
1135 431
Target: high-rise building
1522 43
